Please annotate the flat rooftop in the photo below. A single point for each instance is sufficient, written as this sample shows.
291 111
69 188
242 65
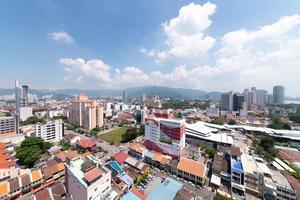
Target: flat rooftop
200 130
166 190
279 179
86 169
248 163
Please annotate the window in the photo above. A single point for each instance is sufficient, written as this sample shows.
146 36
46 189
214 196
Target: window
96 189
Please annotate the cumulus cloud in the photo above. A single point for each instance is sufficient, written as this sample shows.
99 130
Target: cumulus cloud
185 34
62 37
262 57
78 69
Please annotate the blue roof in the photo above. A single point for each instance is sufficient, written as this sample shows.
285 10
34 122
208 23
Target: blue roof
130 196
166 189
236 165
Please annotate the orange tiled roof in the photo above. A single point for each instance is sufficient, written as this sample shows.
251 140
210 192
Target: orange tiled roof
86 154
66 154
2 145
48 171
137 147
4 188
191 167
7 164
36 175
86 143
3 151
159 158
4 157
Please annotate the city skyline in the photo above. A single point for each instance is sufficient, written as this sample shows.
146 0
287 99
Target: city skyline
188 44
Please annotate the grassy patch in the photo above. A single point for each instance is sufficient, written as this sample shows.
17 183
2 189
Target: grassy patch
114 136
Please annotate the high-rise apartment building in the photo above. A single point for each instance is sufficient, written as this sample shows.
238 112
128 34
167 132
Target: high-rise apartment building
165 135
85 112
278 94
9 126
261 97
227 100
87 179
270 99
51 131
253 95
238 99
248 97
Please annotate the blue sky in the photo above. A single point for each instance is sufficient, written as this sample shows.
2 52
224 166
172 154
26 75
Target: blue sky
221 45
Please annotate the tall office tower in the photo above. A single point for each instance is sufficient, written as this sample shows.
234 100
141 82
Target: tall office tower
227 100
18 92
125 95
248 95
21 97
165 135
270 99
278 94
24 96
238 99
87 179
253 96
261 97
85 112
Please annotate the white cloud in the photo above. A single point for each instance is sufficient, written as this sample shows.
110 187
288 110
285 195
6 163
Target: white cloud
79 69
274 33
185 36
261 57
62 36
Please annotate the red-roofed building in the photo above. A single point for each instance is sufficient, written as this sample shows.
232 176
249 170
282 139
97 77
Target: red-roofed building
92 175
8 164
120 157
138 193
294 182
6 160
289 155
87 144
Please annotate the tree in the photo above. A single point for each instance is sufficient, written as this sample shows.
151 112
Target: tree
267 143
142 130
7 114
294 117
72 127
221 197
278 123
218 121
129 135
60 117
210 151
232 122
33 120
30 150
65 144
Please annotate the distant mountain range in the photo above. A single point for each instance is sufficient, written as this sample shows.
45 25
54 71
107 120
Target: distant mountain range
163 92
